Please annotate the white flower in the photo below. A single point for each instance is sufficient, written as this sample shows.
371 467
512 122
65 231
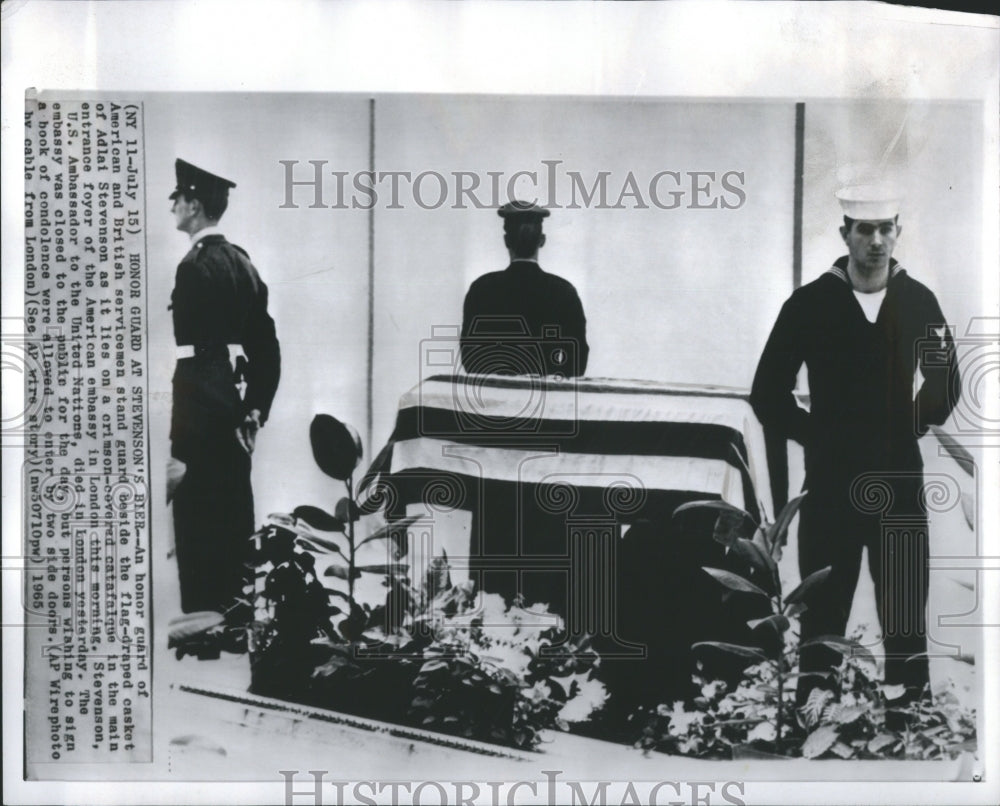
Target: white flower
727 705
764 731
681 720
507 656
538 692
710 690
591 697
493 610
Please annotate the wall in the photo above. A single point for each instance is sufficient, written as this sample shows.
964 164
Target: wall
680 295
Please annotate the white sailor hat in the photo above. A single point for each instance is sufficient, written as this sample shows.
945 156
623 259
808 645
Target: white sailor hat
869 202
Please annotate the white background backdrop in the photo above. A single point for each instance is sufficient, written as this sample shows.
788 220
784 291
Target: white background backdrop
680 295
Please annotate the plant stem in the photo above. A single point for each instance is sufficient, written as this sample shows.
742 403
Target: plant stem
781 673
781 694
349 482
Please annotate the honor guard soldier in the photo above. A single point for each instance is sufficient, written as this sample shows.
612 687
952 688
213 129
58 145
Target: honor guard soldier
522 320
860 330
225 339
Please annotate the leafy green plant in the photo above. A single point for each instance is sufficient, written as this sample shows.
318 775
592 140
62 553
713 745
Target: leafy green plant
494 672
758 546
717 722
432 654
853 719
860 717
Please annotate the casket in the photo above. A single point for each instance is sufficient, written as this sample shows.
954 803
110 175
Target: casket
569 488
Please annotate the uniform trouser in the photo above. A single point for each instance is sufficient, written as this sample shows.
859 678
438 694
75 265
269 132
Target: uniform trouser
884 515
213 521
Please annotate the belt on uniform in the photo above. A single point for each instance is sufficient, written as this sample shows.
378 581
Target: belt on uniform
232 352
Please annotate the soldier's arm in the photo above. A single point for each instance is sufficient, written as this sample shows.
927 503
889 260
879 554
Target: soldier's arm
578 331
260 343
470 309
941 388
772 395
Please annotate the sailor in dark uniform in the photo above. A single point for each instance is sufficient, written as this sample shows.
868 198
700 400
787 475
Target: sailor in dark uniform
522 320
867 332
224 336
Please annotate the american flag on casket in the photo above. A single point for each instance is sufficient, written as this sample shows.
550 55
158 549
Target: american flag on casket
571 486
626 449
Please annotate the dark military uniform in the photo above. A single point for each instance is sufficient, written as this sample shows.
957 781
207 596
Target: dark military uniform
524 321
863 464
521 321
218 300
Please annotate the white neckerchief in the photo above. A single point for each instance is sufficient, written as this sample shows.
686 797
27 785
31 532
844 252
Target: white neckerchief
870 303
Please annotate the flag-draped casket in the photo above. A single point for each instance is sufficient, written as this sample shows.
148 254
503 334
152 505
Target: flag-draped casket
572 485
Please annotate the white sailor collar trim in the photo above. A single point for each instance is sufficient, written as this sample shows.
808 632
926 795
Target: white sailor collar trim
840 272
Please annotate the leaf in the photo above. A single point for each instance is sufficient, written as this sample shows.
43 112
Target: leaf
438 576
387 568
340 571
381 462
734 581
193 624
778 622
968 509
352 626
758 559
881 741
280 519
292 528
734 649
732 525
795 609
318 518
347 511
763 731
844 646
335 662
842 750
819 741
893 691
844 714
718 506
336 446
808 586
397 531
777 533
319 545
812 711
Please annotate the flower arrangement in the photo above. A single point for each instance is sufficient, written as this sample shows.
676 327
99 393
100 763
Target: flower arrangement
430 654
857 718
852 716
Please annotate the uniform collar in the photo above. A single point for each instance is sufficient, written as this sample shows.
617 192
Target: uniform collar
839 269
525 262
205 233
